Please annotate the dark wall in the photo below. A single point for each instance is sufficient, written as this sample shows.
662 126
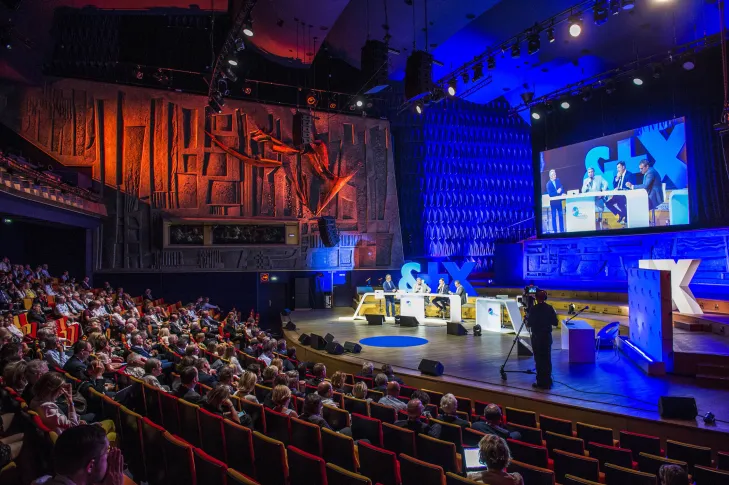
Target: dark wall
62 248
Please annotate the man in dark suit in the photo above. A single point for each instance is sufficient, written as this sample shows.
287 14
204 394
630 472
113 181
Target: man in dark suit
492 424
622 180
651 183
414 424
76 365
186 388
35 314
204 373
555 189
439 301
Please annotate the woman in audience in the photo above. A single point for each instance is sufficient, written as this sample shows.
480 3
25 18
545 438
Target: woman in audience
14 376
218 402
672 475
7 323
338 382
247 386
54 352
278 363
281 398
360 391
47 390
494 453
226 376
294 384
269 374
229 355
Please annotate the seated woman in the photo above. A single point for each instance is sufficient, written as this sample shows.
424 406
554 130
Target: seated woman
338 382
494 453
281 398
360 391
247 387
218 402
47 390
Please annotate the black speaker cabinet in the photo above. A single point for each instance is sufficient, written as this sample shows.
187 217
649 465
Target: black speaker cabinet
375 319
329 338
671 407
418 74
353 347
456 329
328 231
431 367
318 342
290 325
408 321
304 339
335 348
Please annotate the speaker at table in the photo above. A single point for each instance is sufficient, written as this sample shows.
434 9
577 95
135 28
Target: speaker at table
375 319
318 342
431 367
335 348
304 339
352 347
675 407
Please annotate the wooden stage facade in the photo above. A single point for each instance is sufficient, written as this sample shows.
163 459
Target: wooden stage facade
613 392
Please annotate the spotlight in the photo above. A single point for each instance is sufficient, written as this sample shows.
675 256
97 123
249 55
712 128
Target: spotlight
536 115
533 41
239 44
138 73
359 103
452 87
312 99
352 107
233 61
564 104
218 98
615 7
438 95
628 4
419 108
477 71
600 12
248 27
333 101
637 81
586 94
575 25
550 35
465 77
229 74
689 64
223 87
491 63
247 88
516 50
709 418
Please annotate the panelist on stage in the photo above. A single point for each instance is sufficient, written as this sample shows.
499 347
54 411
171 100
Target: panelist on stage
651 183
595 183
389 287
441 302
555 189
422 287
623 179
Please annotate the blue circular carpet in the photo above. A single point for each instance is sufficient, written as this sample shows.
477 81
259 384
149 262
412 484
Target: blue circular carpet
393 341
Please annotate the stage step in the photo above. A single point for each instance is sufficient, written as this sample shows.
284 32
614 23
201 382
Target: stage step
720 382
712 370
708 322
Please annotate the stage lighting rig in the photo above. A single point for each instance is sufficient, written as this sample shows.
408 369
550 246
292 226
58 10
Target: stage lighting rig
516 50
689 64
248 26
600 12
534 43
586 94
610 86
228 73
419 108
465 77
575 23
637 81
550 35
614 7
333 101
312 99
359 102
628 4
565 104
536 115
452 87
657 71
478 71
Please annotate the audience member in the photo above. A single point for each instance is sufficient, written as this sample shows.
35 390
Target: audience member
672 475
381 382
325 391
414 423
313 406
367 369
390 399
494 453
152 370
387 370
47 390
76 365
186 388
360 391
281 397
493 424
319 371
33 371
269 374
205 375
218 402
448 408
337 381
247 387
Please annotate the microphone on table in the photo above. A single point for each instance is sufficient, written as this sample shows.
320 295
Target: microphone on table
576 313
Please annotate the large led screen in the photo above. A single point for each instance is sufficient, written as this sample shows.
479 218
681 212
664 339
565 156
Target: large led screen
630 180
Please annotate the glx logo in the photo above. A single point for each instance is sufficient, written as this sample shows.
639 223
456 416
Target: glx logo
432 276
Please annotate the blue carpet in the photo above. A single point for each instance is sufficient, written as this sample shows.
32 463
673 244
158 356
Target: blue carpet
393 341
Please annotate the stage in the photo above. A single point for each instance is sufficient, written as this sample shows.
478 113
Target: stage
613 386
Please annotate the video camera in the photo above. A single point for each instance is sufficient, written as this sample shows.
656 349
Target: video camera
529 297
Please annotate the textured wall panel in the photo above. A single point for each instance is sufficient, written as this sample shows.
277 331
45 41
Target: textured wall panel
651 323
222 193
186 191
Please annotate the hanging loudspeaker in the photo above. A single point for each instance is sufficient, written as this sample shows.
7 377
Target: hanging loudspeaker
328 231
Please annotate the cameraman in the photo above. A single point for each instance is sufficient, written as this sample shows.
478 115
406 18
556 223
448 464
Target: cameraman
540 320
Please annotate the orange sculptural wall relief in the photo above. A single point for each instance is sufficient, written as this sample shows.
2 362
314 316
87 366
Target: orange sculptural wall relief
161 158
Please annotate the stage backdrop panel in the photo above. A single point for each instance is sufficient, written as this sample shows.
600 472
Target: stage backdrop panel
159 158
651 323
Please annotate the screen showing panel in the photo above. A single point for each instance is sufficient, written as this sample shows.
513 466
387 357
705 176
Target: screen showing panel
635 179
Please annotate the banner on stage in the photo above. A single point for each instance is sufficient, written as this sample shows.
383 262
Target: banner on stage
411 270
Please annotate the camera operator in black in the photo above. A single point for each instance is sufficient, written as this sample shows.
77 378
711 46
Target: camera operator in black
540 320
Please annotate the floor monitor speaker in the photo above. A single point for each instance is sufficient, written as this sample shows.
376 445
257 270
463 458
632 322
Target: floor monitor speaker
335 348
406 321
318 342
329 338
353 347
304 339
431 367
672 407
375 319
456 329
290 325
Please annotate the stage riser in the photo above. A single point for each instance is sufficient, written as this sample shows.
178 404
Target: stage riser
702 323
688 363
666 429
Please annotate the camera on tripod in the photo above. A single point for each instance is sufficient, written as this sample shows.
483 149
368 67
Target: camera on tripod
529 297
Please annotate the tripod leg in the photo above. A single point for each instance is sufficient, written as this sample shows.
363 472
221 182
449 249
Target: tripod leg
513 344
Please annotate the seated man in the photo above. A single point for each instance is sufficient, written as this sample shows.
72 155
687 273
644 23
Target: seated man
493 424
381 382
448 406
312 411
186 388
390 399
77 364
413 423
326 391
319 371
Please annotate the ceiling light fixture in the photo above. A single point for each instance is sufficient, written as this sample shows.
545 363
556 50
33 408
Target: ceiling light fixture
536 115
628 4
516 50
565 104
534 43
452 87
419 108
637 81
465 77
312 99
575 25
233 61
477 71
600 12
359 103
689 64
248 27
614 7
550 35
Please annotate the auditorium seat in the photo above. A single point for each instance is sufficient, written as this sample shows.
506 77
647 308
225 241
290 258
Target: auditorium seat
611 454
573 480
709 476
306 436
555 425
154 456
651 463
529 453
618 475
239 443
112 410
131 443
278 425
261 392
338 449
722 460
386 414
254 410
336 417
565 443
435 396
211 434
151 403
190 430
374 395
479 407
417 472
270 460
237 478
472 437
305 468
453 479
521 417
691 454
438 452
407 391
339 476
170 414
595 434
398 440
574 464
533 475
451 433
528 434
364 427
208 470
354 405
367 380
640 443
180 466
464 404
378 464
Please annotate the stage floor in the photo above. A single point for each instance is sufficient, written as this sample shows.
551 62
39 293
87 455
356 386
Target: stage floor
613 384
